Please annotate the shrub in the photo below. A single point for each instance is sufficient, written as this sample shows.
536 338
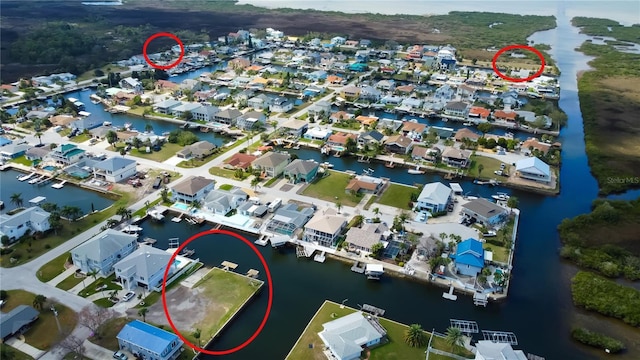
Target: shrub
5 251
3 295
598 340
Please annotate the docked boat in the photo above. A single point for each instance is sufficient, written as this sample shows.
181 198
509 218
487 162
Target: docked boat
106 123
415 171
500 196
25 177
489 233
327 165
374 271
95 102
127 126
187 252
204 129
36 180
59 185
131 229
156 215
468 123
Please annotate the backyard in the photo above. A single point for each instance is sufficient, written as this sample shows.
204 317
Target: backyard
398 196
331 187
166 151
489 165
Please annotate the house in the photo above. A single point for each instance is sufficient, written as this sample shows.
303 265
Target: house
478 112
489 350
503 115
350 93
114 169
391 100
340 116
317 75
37 153
272 164
365 43
484 211
324 228
456 157
260 102
288 219
103 251
338 40
370 138
221 201
317 134
469 258
533 168
239 161
227 116
32 219
398 144
198 150
412 103
339 140
86 123
144 267
166 106
466 91
528 146
301 170
428 154
363 238
294 127
334 79
183 109
205 112
364 184
66 154
358 67
191 85
346 337
149 342
101 132
132 84
319 109
17 321
391 124
238 64
281 105
444 93
387 85
250 120
193 188
413 127
12 151
62 120
434 197
166 85
457 108
369 93
466 133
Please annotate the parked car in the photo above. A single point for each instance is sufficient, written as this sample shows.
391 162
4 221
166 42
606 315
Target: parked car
120 356
128 296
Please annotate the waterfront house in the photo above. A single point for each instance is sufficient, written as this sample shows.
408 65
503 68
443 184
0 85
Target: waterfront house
502 115
350 93
205 112
531 117
411 103
320 109
317 134
457 108
301 170
469 257
339 140
363 238
534 144
197 150
456 157
294 127
533 168
490 350
14 150
398 144
317 75
391 124
413 127
190 85
32 219
444 93
103 251
166 85
62 120
428 154
346 337
484 212
132 84
281 105
17 321
238 64
184 108
260 102
144 267
393 100
239 161
114 169
100 132
366 120
271 164
434 198
227 116
370 93
466 133
37 153
478 112
149 342
193 188
221 202
370 138
288 219
166 106
86 123
386 85
466 91
364 184
340 116
66 154
324 228
250 120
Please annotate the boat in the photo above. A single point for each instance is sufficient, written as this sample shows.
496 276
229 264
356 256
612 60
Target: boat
86 89
204 129
390 164
500 196
156 215
187 252
416 171
368 171
131 229
106 123
489 233
297 147
37 179
25 177
127 126
468 123
95 102
59 185
327 165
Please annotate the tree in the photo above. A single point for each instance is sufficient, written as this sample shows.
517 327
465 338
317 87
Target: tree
164 194
5 240
403 217
73 344
143 312
124 213
338 206
454 337
480 168
351 146
485 127
376 250
255 182
376 212
196 204
38 301
55 222
512 202
112 137
148 128
16 199
72 213
137 143
414 336
38 134
196 334
93 317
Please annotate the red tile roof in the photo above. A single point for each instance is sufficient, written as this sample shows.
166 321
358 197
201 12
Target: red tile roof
479 112
504 115
239 160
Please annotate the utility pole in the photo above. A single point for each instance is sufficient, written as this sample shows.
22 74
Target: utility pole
55 315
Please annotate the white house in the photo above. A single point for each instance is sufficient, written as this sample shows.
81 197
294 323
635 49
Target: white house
281 105
166 106
205 112
345 337
191 189
324 228
31 219
66 154
144 267
220 201
294 127
489 350
185 107
434 197
533 168
115 169
103 251
131 84
250 120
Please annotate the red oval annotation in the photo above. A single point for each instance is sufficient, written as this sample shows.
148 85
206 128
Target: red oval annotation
155 36
515 47
269 283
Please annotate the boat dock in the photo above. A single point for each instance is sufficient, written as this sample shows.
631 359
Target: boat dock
262 241
252 273
148 241
37 200
228 265
449 295
358 267
59 185
320 257
25 177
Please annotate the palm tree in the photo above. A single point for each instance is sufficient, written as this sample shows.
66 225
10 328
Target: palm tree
164 194
415 336
403 218
112 137
376 212
143 312
137 143
196 204
255 182
39 136
339 206
443 235
16 199
454 337
512 203
54 221
480 168
196 334
72 213
38 301
111 223
124 213
148 128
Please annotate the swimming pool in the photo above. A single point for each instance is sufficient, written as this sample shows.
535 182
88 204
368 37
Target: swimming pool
181 206
50 168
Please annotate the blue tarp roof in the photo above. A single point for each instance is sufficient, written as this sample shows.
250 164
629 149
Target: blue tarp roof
146 336
470 252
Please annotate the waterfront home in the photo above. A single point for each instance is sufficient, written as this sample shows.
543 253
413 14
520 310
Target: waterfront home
457 108
86 123
350 93
339 140
100 132
324 228
370 138
340 115
434 198
40 114
320 109
17 321
484 212
444 93
317 75
412 127
391 124
62 120
190 85
531 117
534 144
66 154
466 133
398 144
364 184
301 170
250 120
37 153
238 64
184 108
288 219
166 85
363 238
370 93
132 84
502 115
228 116
260 102
221 201
490 350
32 219
348 336
205 112
533 168
427 154
294 127
103 251
166 106
456 157
244 95
239 161
386 85
411 103
334 80
271 164
393 100
13 150
317 134
144 267
466 91
149 342
366 120
478 112
193 188
281 105
469 257
197 150
114 169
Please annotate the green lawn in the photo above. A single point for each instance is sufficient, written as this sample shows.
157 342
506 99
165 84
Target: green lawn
332 188
44 332
143 210
107 68
53 268
92 287
154 296
138 110
22 160
9 353
108 332
167 151
70 282
490 165
81 138
500 253
218 171
194 163
104 302
398 196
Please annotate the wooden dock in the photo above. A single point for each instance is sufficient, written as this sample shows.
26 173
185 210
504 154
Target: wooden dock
228 265
357 268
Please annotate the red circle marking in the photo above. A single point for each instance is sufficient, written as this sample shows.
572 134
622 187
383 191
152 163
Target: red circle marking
512 47
269 282
155 36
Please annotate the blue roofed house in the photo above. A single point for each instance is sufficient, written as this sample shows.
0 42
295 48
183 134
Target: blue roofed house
149 342
17 321
115 169
144 267
103 251
346 337
12 151
66 154
32 219
469 258
4 141
130 83
301 170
